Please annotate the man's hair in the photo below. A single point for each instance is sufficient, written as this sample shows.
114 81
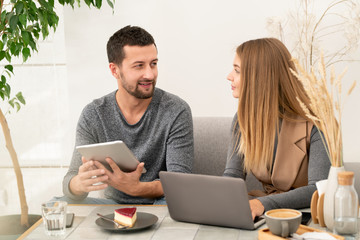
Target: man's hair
129 35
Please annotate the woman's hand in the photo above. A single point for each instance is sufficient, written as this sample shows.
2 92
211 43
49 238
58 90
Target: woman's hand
257 209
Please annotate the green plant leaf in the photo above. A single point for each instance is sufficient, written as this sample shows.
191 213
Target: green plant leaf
1 46
88 2
19 46
53 19
33 11
110 3
4 39
8 56
36 32
13 48
32 44
17 106
9 15
3 80
10 68
13 22
19 6
11 102
26 53
98 3
8 73
3 16
26 37
2 55
23 19
20 97
7 90
44 4
2 95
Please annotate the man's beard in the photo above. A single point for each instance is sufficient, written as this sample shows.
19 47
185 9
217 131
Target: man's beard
135 91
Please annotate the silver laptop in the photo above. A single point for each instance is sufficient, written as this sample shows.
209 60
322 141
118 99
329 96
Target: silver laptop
205 199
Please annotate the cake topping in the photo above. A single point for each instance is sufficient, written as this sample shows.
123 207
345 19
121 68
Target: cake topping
126 211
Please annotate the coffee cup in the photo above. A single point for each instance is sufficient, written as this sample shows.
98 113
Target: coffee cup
283 222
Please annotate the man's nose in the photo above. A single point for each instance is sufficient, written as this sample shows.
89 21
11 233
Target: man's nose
149 73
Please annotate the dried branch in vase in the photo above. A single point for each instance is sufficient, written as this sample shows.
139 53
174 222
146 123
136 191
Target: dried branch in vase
325 108
337 26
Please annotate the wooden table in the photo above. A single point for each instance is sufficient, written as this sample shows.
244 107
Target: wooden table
84 227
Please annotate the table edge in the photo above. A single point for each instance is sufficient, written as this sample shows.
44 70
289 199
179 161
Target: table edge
27 232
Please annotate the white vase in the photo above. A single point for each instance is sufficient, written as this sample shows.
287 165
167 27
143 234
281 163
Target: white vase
330 190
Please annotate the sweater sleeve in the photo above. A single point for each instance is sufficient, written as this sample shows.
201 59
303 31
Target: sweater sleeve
83 136
180 143
318 169
235 162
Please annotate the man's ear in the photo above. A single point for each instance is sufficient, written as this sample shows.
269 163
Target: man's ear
114 69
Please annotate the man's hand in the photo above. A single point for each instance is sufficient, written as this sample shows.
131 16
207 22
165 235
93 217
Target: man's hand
257 209
87 176
127 182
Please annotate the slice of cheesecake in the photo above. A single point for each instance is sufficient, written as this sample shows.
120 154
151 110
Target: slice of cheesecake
125 216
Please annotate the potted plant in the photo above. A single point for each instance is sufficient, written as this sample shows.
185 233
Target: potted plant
325 110
22 24
308 33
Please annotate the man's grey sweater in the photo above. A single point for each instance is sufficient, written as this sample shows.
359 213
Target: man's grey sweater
162 139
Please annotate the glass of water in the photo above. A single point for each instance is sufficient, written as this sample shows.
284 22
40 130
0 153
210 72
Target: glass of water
54 217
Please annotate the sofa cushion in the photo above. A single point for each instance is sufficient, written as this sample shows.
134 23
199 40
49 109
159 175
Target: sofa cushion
211 141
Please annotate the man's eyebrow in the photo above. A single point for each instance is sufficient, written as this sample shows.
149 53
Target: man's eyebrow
137 62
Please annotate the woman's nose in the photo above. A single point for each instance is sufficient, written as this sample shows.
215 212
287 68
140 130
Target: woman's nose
229 77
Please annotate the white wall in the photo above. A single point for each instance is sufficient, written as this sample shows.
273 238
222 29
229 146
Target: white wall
196 42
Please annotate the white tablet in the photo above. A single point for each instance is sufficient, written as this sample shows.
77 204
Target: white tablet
116 150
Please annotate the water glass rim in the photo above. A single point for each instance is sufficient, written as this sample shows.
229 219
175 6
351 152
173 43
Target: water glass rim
53 204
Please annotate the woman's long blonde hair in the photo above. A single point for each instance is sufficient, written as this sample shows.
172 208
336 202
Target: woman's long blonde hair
268 92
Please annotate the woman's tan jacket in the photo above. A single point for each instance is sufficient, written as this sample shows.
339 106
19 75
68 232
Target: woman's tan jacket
290 168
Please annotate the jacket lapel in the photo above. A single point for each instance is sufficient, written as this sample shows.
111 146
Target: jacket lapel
290 154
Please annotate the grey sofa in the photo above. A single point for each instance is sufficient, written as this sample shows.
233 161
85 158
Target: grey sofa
211 141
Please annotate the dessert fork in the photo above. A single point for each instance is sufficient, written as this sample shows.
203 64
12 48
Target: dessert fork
119 226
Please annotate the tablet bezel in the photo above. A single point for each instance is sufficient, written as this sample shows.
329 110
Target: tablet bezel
116 150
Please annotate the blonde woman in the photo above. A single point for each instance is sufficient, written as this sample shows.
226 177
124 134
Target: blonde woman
271 136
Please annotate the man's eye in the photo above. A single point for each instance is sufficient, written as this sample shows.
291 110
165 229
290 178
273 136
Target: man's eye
139 66
154 64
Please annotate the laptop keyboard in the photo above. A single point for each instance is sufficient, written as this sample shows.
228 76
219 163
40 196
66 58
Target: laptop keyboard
258 218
